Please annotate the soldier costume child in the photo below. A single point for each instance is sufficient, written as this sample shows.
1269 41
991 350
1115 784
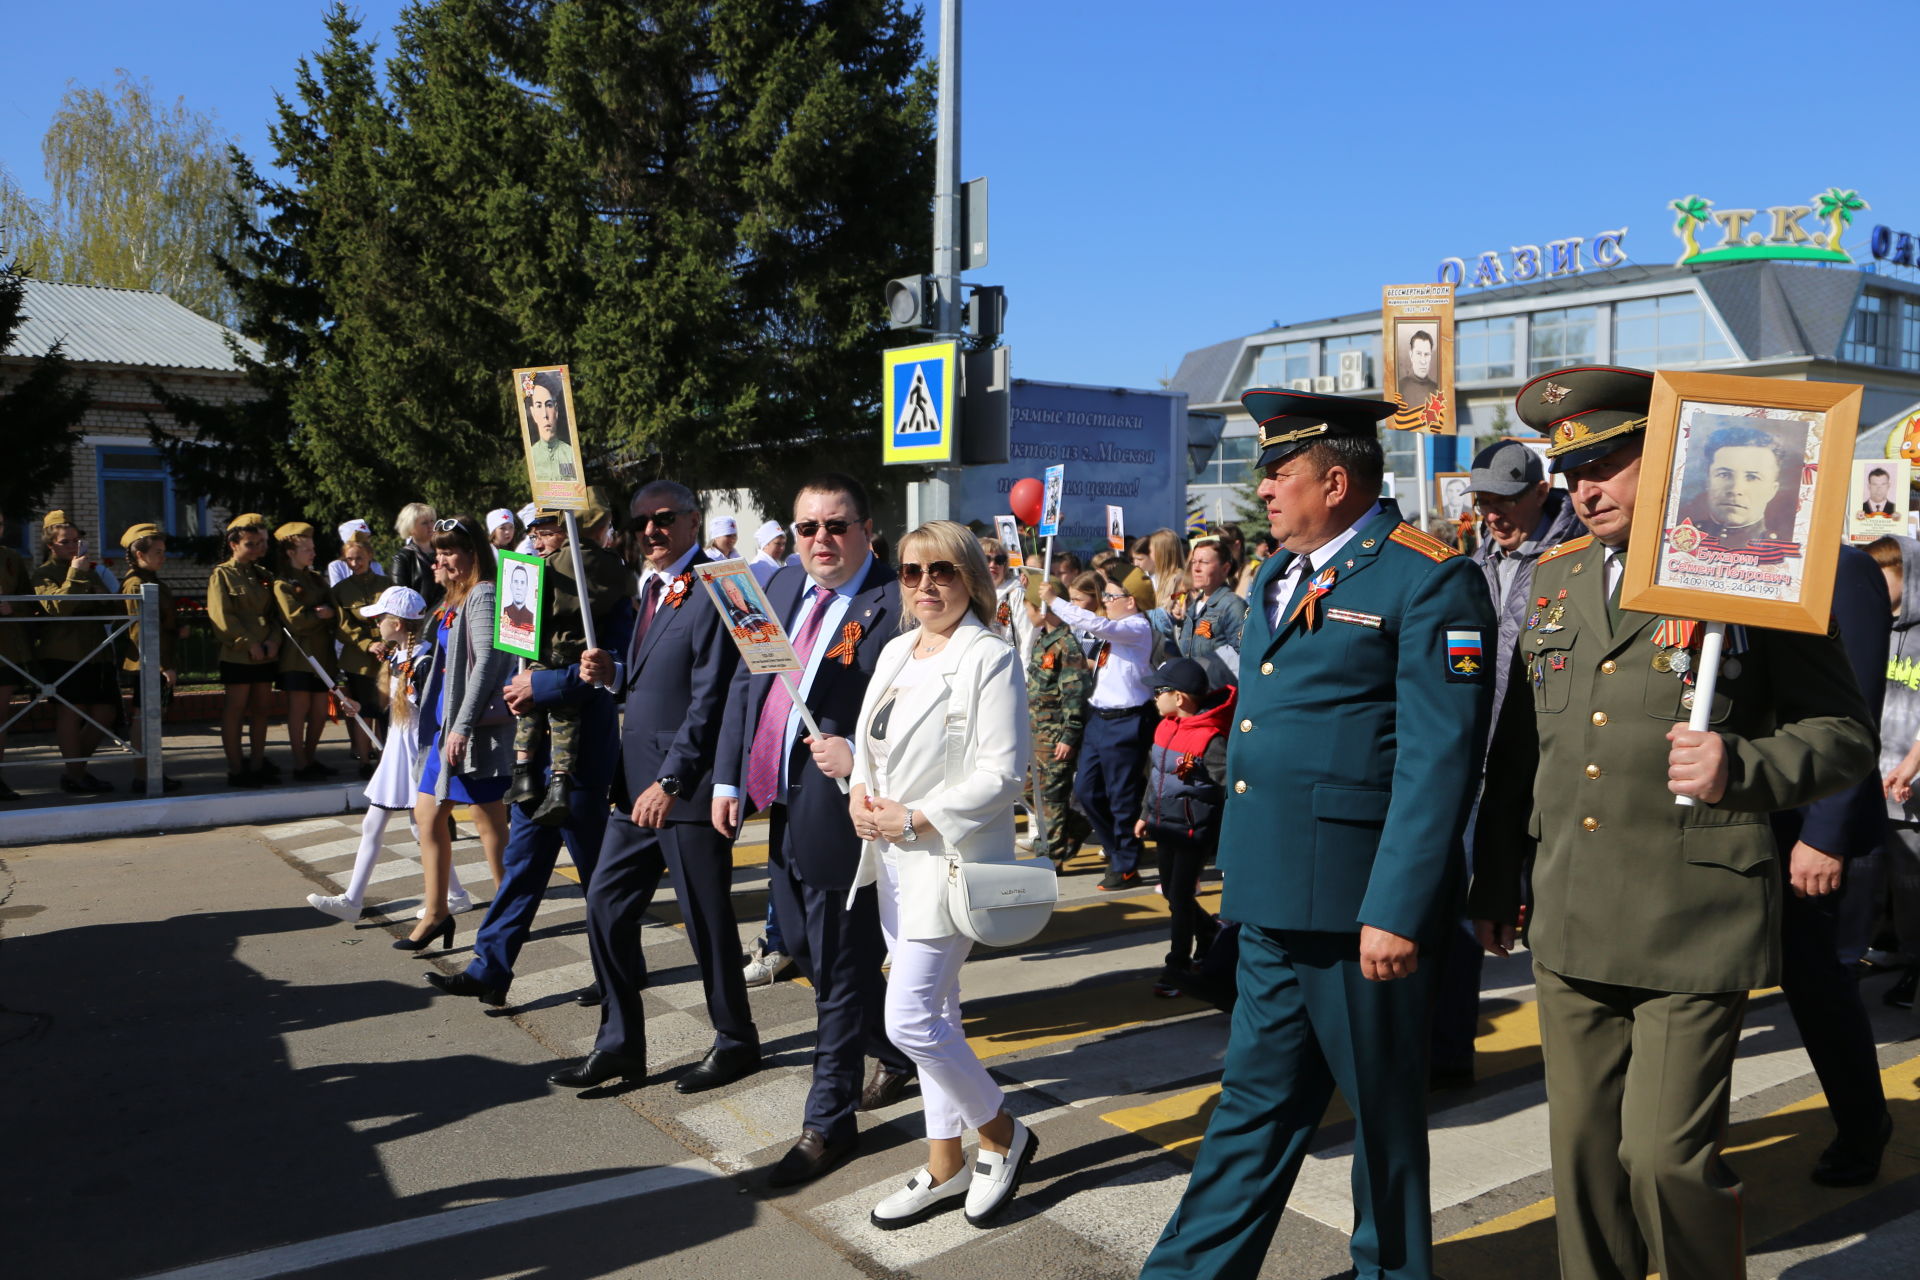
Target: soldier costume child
1059 678
608 583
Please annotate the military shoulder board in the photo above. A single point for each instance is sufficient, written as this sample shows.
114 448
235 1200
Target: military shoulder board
1568 548
1425 543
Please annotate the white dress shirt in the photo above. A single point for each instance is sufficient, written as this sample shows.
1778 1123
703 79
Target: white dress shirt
837 605
1126 678
1282 588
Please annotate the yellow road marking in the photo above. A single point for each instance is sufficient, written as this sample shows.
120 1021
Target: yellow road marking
1069 1015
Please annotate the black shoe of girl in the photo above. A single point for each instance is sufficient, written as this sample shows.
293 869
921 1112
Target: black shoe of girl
311 772
554 810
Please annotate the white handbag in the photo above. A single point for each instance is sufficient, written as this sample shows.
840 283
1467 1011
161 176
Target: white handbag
1001 904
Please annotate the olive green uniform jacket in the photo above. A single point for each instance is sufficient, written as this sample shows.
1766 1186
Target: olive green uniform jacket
16 638
358 635
61 584
1628 887
299 592
169 620
240 606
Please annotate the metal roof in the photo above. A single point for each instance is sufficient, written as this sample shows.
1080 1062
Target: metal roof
96 325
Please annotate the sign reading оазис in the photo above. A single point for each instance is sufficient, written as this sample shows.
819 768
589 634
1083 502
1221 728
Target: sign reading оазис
1120 448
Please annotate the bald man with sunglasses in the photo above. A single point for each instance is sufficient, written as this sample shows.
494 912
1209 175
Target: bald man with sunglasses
840 607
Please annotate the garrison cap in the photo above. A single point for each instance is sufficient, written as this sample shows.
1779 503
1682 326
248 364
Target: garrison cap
139 531
293 529
53 520
1290 421
541 519
1586 411
248 520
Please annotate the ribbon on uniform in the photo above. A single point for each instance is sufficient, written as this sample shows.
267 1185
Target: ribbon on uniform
849 641
1004 614
1674 633
1203 629
1322 583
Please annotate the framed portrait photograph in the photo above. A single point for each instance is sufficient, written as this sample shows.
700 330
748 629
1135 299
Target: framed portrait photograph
550 436
1451 497
1743 500
1116 529
520 624
1007 530
1877 499
1416 351
748 616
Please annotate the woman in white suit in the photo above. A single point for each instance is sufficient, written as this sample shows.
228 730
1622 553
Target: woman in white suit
936 768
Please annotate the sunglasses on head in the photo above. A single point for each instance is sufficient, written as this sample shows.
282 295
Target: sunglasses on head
658 519
941 573
446 526
834 528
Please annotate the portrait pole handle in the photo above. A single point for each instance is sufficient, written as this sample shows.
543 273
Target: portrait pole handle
1711 644
806 718
580 578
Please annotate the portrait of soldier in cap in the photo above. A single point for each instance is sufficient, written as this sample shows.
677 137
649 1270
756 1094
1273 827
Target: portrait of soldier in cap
552 453
1418 380
1741 479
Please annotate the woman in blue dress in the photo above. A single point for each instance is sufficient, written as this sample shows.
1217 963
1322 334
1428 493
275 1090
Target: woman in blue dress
466 731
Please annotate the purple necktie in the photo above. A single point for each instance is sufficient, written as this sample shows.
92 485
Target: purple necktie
649 604
764 760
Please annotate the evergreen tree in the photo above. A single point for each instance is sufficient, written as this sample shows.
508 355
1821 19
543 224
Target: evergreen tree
38 409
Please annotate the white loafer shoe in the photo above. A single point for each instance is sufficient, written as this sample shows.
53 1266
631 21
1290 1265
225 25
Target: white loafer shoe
920 1199
335 905
997 1177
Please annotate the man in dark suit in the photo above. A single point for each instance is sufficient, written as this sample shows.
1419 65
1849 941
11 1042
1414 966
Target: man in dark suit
1364 700
841 606
673 686
1815 842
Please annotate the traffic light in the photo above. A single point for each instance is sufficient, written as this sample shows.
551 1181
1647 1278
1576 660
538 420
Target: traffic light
910 302
987 311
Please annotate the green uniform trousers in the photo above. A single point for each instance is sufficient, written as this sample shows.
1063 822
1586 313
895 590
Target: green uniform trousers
1638 1086
1305 1022
1067 828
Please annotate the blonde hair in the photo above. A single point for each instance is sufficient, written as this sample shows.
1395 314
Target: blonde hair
1167 560
410 515
955 542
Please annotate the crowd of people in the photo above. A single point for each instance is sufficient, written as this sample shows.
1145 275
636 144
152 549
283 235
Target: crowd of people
1400 757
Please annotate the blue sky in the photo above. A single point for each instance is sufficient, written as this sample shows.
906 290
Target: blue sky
1167 176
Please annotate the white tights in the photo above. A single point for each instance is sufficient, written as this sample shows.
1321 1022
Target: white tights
373 829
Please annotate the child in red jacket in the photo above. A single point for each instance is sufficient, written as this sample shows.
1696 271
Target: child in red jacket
1186 786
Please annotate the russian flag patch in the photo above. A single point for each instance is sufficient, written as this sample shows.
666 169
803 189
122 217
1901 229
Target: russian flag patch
1466 656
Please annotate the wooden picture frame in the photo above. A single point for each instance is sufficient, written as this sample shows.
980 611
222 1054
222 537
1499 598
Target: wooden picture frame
550 438
1723 533
520 618
1451 497
1427 309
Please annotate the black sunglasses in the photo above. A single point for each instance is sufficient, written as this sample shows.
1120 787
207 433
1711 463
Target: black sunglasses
1000 560
941 573
658 519
834 528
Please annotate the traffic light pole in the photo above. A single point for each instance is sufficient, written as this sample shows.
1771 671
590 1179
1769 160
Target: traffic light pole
933 500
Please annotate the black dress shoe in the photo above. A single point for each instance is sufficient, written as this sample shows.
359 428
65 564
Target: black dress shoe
810 1158
720 1066
1900 994
599 1067
464 984
884 1088
588 996
1853 1164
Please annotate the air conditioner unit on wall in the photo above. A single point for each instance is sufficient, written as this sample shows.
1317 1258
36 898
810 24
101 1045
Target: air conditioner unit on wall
1325 385
1300 384
1354 362
1352 381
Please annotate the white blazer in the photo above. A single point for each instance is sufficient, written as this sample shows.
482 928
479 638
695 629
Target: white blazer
957 751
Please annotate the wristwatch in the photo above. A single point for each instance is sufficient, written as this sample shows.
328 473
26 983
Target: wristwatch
907 834
671 785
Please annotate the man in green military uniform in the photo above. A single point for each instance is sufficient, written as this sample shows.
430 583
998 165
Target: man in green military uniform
1364 700
1649 922
1059 681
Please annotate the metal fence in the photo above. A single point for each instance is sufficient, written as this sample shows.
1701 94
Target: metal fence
118 621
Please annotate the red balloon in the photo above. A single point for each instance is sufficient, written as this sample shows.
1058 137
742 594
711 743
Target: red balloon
1024 500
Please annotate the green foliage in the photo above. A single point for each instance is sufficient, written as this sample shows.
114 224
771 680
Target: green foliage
142 197
692 205
38 411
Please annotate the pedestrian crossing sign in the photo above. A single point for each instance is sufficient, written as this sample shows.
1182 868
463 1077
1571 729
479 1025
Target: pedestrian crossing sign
920 395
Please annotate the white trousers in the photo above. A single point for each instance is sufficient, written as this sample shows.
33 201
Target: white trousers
923 1020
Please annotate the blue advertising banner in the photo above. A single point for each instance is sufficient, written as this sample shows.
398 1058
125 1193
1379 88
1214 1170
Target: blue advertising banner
1119 447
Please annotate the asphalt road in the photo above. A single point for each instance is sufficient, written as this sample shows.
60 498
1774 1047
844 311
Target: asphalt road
201 1076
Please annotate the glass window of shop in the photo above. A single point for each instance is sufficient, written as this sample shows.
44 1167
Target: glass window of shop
1281 363
1884 330
1369 343
1567 336
1671 330
1232 463
1484 349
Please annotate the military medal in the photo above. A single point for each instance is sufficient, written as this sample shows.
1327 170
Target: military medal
1661 662
1681 661
1730 668
1686 699
1558 661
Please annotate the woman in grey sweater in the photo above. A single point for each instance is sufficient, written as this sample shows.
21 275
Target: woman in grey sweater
466 732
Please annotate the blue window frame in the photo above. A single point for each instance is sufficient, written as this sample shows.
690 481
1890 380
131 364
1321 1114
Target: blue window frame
136 486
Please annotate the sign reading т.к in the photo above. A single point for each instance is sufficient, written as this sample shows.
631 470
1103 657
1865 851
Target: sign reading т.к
1124 448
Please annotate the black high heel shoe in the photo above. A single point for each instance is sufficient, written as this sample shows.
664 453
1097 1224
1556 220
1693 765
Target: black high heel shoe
442 931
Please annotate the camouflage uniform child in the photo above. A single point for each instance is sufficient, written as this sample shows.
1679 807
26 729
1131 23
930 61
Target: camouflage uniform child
1059 681
608 582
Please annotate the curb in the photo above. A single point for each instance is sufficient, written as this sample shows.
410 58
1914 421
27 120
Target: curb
176 813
